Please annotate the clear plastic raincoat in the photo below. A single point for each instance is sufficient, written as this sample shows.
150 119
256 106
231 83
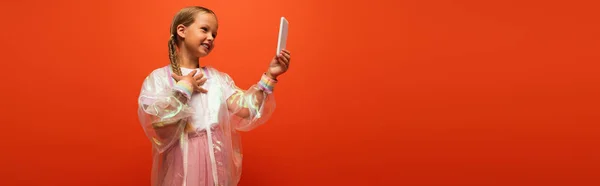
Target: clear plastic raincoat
195 136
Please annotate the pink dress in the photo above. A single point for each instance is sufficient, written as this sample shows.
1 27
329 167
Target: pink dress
195 136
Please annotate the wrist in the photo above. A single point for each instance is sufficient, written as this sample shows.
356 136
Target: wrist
267 83
269 75
185 87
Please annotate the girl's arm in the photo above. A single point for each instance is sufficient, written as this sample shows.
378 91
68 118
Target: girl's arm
251 108
254 106
163 111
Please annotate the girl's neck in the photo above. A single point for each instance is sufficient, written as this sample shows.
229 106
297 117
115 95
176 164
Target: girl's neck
186 60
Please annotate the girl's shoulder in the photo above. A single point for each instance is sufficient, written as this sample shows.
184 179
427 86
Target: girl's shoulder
158 72
158 77
162 71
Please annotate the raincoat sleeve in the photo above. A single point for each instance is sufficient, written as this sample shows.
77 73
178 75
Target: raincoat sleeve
163 110
252 107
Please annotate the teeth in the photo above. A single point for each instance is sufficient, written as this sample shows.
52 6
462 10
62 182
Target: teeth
205 45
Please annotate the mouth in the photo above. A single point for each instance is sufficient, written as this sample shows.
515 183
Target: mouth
206 45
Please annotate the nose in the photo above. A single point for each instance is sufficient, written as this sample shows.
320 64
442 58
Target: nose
210 37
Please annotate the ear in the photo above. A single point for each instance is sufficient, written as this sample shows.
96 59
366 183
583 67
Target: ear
181 30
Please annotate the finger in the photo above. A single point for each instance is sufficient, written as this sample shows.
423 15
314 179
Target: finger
287 62
197 87
200 89
285 59
282 63
191 74
201 81
285 51
176 77
199 76
286 55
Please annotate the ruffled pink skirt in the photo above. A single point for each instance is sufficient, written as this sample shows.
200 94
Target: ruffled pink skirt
199 167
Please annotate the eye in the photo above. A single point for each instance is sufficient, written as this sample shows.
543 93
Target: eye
214 35
204 29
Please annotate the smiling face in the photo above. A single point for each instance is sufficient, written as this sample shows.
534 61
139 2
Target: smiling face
193 32
198 37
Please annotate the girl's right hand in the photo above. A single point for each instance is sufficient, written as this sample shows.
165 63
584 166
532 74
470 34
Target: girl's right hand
197 81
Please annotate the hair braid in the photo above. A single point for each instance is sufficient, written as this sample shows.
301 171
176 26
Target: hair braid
173 56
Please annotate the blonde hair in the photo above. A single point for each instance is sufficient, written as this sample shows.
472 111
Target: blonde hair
186 17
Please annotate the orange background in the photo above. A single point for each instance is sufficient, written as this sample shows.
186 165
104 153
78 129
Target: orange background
379 92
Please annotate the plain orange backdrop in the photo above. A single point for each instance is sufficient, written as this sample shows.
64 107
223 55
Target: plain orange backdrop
397 92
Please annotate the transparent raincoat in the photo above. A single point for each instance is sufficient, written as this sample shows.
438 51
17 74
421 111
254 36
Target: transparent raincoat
195 137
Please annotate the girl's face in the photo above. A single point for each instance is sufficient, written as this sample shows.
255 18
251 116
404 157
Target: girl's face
198 38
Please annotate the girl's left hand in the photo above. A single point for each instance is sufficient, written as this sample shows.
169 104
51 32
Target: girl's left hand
280 64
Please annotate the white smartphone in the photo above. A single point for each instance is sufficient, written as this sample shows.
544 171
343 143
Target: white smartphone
283 33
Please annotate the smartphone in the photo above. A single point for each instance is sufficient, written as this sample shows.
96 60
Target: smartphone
283 33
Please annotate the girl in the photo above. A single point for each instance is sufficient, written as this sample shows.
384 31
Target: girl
192 114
